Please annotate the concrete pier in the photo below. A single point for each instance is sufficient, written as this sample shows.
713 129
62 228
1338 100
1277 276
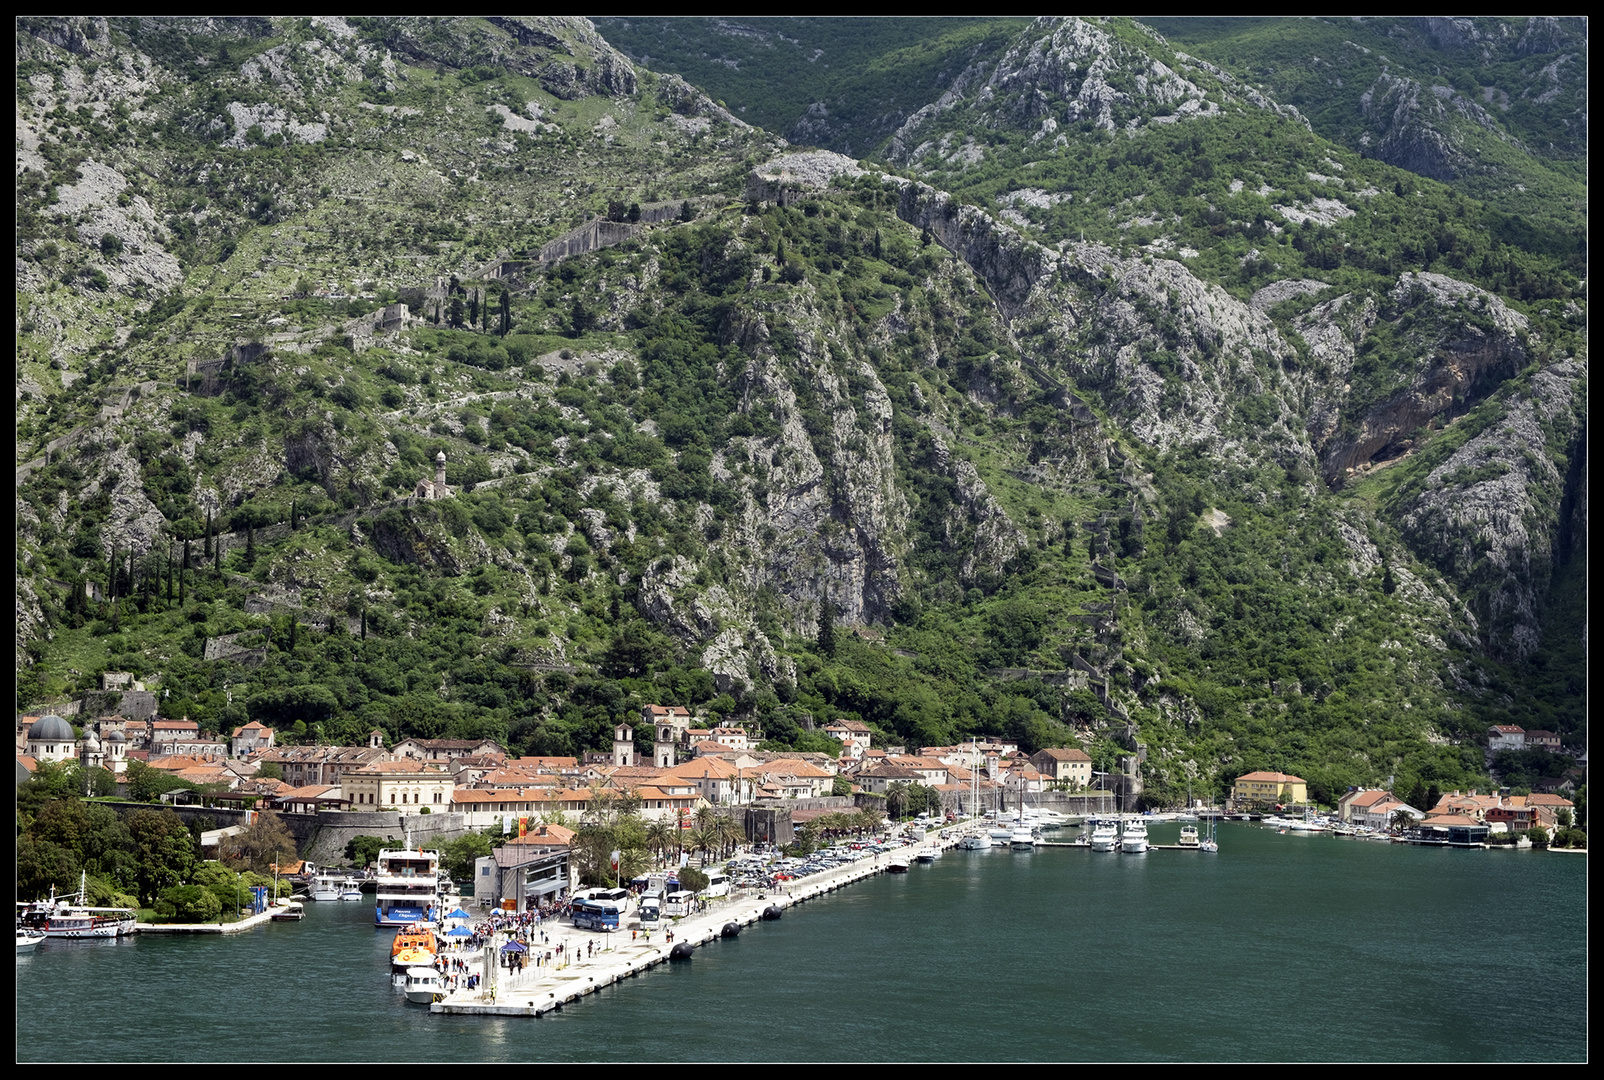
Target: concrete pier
538 990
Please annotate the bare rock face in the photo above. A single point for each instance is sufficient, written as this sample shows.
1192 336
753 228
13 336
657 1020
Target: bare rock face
1465 341
830 520
1492 516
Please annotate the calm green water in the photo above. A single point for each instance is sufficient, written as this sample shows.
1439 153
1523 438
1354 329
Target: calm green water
1282 947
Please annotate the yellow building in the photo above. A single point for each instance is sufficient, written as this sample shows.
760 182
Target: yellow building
397 785
1269 787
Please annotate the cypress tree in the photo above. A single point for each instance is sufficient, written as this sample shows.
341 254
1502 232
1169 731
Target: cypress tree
826 628
506 312
208 553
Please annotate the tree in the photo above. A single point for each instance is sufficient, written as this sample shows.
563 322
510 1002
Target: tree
265 841
692 879
189 904
897 799
580 319
458 856
163 849
826 628
455 313
506 311
362 850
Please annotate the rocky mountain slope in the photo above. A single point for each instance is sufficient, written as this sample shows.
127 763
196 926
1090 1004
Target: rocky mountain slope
1115 406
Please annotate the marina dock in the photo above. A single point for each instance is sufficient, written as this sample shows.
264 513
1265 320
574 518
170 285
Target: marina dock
538 990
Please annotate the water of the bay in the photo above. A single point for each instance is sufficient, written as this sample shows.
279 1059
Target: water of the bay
1282 947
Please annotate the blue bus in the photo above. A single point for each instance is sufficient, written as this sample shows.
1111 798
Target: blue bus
602 909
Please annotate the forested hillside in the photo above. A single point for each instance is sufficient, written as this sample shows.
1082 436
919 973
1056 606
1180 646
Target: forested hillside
1110 400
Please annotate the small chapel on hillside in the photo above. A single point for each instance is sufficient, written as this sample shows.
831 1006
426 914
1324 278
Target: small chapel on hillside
436 488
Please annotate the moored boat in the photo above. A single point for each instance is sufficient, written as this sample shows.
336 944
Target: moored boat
422 984
408 887
71 917
1105 837
1133 838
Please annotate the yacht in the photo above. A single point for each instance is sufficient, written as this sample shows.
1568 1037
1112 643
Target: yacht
1189 838
325 886
1133 840
1104 836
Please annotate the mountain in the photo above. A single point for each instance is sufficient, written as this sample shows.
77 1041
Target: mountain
1106 399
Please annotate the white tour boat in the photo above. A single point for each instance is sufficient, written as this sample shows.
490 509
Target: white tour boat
408 887
71 917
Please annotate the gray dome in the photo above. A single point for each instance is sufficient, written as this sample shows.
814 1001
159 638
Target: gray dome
116 736
51 728
91 743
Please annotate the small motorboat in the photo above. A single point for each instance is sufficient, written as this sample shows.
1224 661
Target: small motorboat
27 939
422 985
292 911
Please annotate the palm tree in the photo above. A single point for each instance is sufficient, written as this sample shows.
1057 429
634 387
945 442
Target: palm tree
731 834
703 839
896 799
659 835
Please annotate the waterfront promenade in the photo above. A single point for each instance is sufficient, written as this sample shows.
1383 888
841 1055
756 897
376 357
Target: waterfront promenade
538 990
250 922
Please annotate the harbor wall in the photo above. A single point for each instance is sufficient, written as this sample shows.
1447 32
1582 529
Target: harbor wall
336 828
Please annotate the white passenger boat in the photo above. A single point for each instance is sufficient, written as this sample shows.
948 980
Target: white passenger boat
408 887
1133 839
1189 838
350 889
71 917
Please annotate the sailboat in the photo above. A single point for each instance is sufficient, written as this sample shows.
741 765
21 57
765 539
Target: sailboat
1209 843
1022 837
976 839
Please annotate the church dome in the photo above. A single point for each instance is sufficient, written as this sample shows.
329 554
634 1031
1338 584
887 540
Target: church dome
51 728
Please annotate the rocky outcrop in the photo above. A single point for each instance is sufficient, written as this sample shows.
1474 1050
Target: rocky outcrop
1493 515
1464 342
1412 126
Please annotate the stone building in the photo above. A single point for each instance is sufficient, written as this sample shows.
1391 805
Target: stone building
436 488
